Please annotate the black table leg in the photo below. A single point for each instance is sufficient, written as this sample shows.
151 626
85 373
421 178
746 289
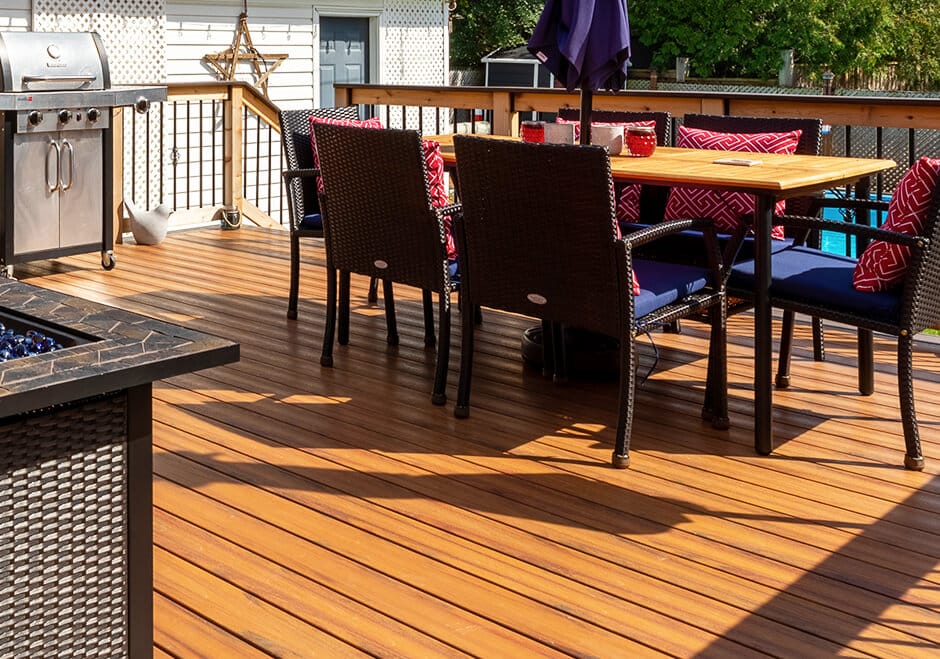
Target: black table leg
763 339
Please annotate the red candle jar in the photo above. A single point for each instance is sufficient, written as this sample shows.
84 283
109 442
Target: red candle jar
533 131
641 140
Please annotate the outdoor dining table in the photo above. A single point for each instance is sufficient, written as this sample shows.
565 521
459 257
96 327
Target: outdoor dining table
770 178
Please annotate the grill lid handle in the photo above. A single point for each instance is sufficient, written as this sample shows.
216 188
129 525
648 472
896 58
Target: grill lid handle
90 77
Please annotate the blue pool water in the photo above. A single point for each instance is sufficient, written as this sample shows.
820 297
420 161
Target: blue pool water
838 243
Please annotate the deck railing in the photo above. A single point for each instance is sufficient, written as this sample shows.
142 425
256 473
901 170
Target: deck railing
217 144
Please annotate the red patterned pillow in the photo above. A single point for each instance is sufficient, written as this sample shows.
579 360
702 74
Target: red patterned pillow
882 264
374 122
628 206
434 164
649 123
726 209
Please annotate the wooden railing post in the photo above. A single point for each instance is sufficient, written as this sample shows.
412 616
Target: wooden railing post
232 156
505 117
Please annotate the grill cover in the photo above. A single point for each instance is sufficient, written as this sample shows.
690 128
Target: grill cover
52 61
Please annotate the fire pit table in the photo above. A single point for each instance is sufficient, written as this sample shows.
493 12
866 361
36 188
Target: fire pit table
76 472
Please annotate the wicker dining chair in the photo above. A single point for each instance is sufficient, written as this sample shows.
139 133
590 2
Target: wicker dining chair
300 177
538 237
741 245
379 220
811 281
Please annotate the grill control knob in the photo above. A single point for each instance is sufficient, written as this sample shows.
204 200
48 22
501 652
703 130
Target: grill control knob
65 116
142 105
34 117
93 114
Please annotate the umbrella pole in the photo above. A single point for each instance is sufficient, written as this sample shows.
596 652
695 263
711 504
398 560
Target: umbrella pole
587 101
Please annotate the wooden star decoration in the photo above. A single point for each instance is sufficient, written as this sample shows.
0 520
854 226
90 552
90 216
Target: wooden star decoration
243 50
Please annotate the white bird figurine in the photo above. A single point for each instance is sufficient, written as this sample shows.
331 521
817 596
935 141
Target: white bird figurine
148 226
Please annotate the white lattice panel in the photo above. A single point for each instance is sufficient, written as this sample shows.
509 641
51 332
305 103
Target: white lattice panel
414 27
411 27
134 36
132 31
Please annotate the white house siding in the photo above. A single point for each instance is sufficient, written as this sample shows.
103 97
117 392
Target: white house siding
15 14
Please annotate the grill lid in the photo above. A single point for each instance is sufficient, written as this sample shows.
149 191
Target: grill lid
52 61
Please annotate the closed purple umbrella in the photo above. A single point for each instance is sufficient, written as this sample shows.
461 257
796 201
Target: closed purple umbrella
586 45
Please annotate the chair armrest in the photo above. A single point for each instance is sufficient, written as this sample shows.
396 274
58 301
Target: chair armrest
672 227
291 174
669 227
849 228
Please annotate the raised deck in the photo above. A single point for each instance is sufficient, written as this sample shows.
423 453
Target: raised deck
302 510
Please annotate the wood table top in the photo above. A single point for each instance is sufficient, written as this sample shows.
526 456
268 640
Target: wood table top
780 175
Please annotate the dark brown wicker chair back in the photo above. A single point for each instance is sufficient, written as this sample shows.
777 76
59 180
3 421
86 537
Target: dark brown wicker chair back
653 198
920 307
537 248
298 155
809 144
378 218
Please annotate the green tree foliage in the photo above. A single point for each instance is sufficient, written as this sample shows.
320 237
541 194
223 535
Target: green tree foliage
485 25
745 37
911 40
742 38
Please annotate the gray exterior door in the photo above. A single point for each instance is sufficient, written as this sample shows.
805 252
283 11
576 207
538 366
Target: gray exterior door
344 54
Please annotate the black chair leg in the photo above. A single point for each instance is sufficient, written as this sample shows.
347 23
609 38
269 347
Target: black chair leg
548 350
462 408
560 354
866 362
621 456
390 322
373 291
343 308
913 458
428 303
819 340
786 348
439 396
326 356
294 277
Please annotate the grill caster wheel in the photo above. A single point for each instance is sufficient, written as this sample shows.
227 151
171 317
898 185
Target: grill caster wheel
108 261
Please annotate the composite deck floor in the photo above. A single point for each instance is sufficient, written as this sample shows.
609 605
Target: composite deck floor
306 511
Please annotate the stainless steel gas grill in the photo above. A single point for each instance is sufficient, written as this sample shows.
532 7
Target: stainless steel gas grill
56 146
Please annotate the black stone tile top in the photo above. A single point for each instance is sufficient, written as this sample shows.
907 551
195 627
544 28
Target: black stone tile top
123 349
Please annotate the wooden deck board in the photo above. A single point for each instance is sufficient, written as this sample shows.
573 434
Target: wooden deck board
301 510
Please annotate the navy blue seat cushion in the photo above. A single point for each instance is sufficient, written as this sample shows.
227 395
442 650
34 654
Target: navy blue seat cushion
818 278
312 222
686 246
663 283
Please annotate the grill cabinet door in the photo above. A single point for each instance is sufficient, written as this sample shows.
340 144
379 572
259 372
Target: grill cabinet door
81 206
35 207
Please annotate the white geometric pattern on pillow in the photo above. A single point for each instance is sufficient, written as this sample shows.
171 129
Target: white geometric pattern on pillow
883 265
726 209
628 206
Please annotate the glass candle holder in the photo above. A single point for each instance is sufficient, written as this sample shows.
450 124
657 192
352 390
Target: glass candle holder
641 140
532 131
